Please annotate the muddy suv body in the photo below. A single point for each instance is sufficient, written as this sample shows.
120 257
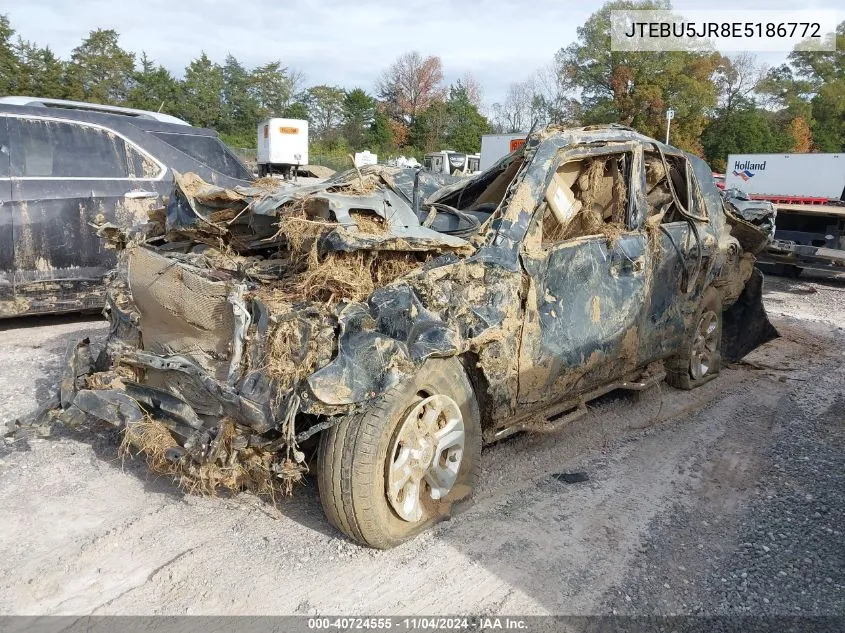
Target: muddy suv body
403 323
65 168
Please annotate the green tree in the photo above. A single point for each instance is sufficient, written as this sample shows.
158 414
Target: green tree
454 124
428 131
379 136
241 108
783 91
9 67
359 111
272 89
745 129
828 126
296 110
825 71
465 124
203 92
325 111
154 88
636 88
812 87
99 70
41 72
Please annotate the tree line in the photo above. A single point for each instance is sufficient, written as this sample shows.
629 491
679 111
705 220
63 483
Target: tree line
723 104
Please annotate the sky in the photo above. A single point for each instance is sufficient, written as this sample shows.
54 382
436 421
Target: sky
336 42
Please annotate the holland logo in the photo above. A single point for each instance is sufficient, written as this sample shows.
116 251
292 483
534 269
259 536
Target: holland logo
744 174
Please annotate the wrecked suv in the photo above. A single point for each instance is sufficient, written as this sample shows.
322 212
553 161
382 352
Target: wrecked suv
388 324
68 168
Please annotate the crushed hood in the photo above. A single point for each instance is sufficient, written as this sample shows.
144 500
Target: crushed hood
246 218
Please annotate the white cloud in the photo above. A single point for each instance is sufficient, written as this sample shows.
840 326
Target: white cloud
331 41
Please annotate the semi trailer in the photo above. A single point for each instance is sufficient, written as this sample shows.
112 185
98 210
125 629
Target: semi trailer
496 146
808 191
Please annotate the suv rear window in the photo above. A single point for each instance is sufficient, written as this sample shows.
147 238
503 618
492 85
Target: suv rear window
45 148
209 150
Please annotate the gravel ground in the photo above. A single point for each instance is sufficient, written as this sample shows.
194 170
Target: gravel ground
724 500
770 546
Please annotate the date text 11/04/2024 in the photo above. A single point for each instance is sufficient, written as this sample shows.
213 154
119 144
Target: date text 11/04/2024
485 623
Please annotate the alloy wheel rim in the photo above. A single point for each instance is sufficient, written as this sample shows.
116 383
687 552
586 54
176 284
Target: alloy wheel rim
704 345
426 456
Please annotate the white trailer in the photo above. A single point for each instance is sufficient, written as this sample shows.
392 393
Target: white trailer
449 162
282 146
495 146
788 177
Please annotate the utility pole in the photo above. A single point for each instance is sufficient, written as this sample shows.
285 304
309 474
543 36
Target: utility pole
670 114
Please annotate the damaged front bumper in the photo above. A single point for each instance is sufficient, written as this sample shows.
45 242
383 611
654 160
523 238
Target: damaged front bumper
202 452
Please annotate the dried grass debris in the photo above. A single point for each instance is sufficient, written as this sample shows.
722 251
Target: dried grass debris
267 182
227 467
369 222
291 359
153 439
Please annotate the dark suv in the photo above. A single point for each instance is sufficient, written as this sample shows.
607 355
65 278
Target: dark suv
65 166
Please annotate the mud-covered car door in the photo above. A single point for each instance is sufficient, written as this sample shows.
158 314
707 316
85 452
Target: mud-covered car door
7 253
587 279
676 255
66 176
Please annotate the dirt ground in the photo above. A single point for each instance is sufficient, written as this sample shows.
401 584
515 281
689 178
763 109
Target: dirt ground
728 499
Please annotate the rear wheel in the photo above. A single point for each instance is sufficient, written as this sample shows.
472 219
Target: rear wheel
699 359
398 465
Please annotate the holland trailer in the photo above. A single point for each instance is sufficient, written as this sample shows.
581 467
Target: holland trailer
808 191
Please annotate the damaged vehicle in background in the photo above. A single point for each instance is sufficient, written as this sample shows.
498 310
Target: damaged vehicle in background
391 325
67 165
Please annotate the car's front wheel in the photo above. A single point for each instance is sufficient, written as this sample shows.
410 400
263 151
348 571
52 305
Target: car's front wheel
699 359
399 464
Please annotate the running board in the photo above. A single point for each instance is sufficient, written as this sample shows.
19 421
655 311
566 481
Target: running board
642 385
559 415
556 422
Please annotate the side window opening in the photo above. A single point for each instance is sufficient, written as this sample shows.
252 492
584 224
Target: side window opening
58 149
658 194
485 192
140 165
208 150
494 192
587 197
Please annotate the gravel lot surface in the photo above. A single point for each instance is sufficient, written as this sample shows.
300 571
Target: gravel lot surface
725 500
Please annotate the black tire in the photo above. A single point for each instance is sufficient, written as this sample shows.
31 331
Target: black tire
684 370
353 459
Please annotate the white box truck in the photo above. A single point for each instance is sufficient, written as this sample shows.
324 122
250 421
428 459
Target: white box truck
282 146
802 177
808 191
495 146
